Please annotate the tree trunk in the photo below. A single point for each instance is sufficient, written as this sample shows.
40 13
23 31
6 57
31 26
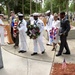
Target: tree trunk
51 7
74 6
23 6
59 9
30 7
67 6
8 9
36 5
59 6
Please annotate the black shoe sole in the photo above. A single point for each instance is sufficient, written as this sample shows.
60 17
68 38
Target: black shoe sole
48 44
34 54
43 52
1 67
58 55
22 51
67 53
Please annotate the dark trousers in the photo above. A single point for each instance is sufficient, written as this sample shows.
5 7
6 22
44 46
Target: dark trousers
63 39
12 35
15 40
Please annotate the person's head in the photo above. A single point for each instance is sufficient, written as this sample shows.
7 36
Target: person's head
20 16
62 15
12 13
48 13
31 15
40 14
35 15
1 16
55 16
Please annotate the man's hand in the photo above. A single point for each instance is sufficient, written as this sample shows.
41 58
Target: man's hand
61 34
46 30
2 25
64 32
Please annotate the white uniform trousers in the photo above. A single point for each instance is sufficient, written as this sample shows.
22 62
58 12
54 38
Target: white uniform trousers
22 40
48 34
40 42
2 36
49 39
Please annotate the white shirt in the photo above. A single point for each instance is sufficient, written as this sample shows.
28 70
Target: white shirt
51 18
31 19
56 24
49 23
40 24
23 26
1 27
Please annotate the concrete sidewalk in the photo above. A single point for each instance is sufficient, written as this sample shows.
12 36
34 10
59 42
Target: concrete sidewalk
68 58
24 64
15 65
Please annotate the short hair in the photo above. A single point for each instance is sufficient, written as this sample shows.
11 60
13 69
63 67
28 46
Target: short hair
62 13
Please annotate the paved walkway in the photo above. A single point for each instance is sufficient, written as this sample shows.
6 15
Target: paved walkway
24 64
15 65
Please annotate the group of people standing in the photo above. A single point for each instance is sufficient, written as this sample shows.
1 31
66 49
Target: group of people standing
57 28
18 29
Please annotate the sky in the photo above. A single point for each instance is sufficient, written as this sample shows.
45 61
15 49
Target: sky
38 1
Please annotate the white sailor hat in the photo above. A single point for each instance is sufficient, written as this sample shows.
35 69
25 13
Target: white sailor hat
2 15
19 14
35 14
47 12
55 14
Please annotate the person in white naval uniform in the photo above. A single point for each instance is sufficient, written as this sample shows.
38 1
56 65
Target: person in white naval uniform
38 40
48 26
56 28
2 29
22 35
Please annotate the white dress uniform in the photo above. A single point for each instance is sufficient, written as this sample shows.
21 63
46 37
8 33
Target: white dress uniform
22 35
31 19
49 26
39 40
56 25
2 32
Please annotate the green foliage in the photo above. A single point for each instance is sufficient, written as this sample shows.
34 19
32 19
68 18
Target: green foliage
1 9
71 8
16 5
56 4
47 5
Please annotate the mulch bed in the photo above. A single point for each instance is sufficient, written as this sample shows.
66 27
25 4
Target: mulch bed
57 69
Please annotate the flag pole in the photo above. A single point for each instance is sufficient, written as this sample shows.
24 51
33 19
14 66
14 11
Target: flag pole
53 62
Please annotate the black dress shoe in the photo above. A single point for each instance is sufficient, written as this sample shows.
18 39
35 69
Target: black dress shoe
22 51
1 67
58 54
67 53
49 44
43 52
34 54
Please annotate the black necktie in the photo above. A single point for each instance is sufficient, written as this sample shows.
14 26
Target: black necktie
19 24
35 22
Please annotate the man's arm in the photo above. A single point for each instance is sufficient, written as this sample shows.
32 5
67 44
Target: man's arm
67 26
2 25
